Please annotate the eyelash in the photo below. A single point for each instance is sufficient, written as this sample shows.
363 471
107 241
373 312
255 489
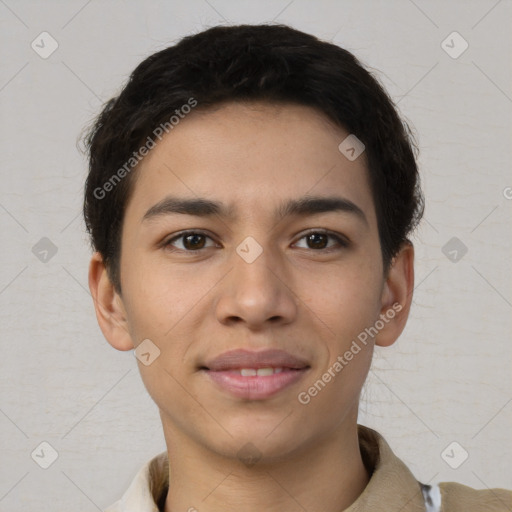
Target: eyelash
342 242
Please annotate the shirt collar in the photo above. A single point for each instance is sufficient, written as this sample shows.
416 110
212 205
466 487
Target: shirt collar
392 487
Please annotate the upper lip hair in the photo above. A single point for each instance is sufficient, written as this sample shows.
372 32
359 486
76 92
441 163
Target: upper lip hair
238 359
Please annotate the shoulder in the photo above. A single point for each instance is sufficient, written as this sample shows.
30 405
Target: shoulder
148 490
460 498
392 486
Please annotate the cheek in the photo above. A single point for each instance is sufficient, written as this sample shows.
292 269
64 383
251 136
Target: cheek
157 297
346 298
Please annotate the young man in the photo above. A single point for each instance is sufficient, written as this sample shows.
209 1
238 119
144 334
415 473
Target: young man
249 199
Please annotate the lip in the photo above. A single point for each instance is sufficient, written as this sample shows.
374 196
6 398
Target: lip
238 359
224 371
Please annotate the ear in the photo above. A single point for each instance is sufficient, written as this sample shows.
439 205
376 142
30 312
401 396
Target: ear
110 310
396 296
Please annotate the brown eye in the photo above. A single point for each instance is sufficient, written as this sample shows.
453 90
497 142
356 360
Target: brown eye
188 241
319 240
192 242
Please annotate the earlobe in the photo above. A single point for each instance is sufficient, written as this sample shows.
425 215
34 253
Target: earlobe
397 296
109 307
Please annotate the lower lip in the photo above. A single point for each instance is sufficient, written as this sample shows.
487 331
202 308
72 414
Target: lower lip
255 387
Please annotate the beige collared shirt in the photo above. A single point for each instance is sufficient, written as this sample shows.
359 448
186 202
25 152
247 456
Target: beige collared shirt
392 487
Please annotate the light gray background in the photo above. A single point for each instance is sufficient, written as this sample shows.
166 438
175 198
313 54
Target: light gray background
446 379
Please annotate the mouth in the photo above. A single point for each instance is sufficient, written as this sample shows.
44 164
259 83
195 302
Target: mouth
254 375
254 372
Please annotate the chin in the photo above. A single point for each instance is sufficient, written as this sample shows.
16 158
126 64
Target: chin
265 442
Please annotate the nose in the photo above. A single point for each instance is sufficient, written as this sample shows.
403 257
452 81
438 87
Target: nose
257 294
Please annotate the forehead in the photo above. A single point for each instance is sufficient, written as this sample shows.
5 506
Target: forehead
250 156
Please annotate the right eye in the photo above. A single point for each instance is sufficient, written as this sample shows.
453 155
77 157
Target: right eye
188 241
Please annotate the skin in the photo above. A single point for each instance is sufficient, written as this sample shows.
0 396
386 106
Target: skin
312 302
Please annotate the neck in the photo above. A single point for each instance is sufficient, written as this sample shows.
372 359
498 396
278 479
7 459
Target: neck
327 475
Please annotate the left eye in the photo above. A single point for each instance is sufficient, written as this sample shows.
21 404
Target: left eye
319 239
191 241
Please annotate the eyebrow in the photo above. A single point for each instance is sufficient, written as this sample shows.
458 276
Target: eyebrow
303 206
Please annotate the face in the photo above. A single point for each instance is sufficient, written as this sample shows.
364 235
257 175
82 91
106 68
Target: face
258 268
